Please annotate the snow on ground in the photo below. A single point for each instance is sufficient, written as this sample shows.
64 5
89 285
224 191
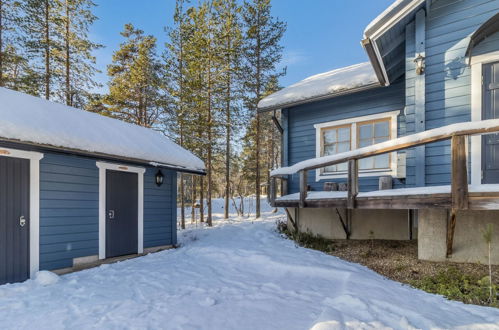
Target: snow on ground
240 274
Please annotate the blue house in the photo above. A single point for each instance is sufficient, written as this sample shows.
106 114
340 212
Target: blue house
77 187
432 78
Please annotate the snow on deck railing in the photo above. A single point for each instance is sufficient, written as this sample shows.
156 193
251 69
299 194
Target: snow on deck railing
433 135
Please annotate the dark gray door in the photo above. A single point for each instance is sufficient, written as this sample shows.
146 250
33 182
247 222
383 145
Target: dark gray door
14 216
122 213
490 110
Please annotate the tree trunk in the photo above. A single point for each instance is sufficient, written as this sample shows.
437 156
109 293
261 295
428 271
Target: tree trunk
228 131
1 42
210 183
193 198
182 202
257 137
69 100
47 49
201 199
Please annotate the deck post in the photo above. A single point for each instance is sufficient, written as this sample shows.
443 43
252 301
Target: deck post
303 188
459 186
353 182
459 183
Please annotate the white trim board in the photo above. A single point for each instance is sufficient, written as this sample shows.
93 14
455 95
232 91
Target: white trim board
353 138
34 203
103 166
477 63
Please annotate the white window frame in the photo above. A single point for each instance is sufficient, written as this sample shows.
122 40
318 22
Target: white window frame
477 63
34 203
103 166
392 115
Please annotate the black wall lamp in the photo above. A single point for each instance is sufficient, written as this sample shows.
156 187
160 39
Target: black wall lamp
159 178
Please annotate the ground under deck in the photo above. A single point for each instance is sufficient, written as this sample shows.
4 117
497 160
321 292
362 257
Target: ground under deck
481 197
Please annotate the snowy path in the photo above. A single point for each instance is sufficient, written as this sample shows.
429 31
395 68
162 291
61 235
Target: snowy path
238 275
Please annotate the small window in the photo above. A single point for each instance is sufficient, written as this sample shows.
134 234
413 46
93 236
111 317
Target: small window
336 140
369 133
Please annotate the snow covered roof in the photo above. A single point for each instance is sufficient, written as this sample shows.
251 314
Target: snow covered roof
30 119
323 85
396 11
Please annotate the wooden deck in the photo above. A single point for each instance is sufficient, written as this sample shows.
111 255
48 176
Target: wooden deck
483 197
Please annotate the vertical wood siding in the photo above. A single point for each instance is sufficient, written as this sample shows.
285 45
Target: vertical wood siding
159 209
448 81
69 209
301 131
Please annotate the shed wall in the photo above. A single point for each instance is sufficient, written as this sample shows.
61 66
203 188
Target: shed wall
69 207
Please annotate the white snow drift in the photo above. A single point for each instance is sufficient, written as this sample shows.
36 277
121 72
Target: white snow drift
239 275
325 84
31 119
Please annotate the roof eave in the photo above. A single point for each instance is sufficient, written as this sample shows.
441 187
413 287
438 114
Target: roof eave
376 61
102 156
318 98
373 33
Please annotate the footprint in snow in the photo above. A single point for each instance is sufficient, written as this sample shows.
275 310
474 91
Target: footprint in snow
207 302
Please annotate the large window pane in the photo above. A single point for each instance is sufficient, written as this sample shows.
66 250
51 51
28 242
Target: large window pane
330 136
365 163
344 134
381 128
336 140
365 131
382 161
342 167
343 146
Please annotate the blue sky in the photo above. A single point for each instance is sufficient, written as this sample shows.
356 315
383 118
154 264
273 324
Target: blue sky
321 35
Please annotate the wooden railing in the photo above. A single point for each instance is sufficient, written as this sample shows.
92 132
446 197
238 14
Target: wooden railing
457 133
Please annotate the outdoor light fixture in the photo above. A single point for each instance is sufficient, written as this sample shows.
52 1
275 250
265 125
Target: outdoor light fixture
420 64
159 178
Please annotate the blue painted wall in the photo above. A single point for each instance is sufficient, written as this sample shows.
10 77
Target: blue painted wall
301 132
69 206
69 210
448 77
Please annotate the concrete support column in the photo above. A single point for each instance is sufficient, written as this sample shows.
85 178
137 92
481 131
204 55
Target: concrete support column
432 234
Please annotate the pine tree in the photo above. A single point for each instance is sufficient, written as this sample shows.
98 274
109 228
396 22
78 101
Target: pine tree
75 64
9 40
175 76
135 85
40 21
229 36
262 51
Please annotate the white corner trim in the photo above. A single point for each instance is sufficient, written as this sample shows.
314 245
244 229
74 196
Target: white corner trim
353 138
103 166
477 63
34 203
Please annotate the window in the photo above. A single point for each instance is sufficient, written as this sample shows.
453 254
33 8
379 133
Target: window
336 140
345 135
369 133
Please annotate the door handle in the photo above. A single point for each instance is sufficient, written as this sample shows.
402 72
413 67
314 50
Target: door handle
110 214
22 221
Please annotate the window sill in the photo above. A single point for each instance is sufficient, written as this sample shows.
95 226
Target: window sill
362 173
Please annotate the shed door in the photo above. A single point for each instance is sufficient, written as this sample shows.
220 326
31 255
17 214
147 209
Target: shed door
490 142
122 213
14 216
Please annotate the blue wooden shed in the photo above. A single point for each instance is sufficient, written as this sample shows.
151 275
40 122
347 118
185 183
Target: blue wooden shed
76 187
